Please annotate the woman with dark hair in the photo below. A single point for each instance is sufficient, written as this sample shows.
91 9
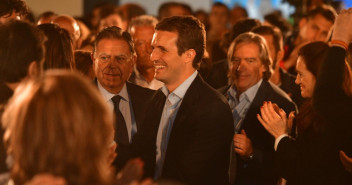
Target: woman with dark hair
310 158
58 48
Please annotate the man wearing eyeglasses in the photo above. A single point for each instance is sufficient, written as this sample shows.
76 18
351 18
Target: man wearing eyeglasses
114 56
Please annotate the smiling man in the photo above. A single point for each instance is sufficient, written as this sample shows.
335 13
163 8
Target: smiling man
142 30
249 72
187 133
114 56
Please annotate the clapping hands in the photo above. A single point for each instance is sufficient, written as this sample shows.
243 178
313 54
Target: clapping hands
274 119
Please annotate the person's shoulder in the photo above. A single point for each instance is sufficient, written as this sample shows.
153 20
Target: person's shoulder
277 95
139 89
208 94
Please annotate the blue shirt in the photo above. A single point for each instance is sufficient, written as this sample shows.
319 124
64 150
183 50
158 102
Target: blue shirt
172 104
240 106
125 108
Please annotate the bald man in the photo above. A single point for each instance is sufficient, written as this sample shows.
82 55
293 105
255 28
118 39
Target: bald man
70 24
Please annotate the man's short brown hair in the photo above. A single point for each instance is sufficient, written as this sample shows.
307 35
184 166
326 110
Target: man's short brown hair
191 35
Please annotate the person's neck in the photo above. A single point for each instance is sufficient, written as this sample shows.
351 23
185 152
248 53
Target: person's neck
275 77
114 90
147 73
298 41
171 86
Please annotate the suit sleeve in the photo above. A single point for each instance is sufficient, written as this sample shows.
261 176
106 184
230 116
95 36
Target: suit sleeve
331 101
329 95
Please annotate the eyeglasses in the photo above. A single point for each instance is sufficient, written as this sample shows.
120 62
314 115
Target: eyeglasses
119 59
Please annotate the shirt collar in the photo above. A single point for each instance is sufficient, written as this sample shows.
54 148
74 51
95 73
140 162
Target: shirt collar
181 90
249 94
107 95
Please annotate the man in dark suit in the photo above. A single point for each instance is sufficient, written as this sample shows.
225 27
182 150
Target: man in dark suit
249 71
186 135
281 78
114 56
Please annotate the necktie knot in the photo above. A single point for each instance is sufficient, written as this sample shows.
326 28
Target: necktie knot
116 100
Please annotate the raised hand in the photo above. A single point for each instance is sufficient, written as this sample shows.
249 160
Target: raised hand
341 31
275 122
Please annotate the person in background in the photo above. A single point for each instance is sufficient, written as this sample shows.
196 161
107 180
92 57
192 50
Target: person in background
169 9
238 13
58 48
142 30
128 11
330 94
46 17
316 26
21 58
249 72
215 73
84 63
281 78
69 24
12 9
113 59
313 156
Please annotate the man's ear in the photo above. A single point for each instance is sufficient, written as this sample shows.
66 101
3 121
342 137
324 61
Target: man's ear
279 56
93 59
133 60
302 22
33 70
190 55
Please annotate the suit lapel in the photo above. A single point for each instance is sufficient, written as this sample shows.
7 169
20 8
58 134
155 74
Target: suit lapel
187 104
257 102
135 101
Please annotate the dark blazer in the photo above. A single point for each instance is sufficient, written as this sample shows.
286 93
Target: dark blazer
199 145
260 170
140 98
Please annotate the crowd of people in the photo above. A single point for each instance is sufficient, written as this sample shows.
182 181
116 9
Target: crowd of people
188 97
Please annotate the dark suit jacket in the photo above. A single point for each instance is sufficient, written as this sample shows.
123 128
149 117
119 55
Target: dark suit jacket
199 146
140 98
260 170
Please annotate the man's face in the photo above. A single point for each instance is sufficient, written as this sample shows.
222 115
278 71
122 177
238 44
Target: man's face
111 20
270 43
246 69
218 17
316 29
113 63
305 79
142 38
10 16
169 66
